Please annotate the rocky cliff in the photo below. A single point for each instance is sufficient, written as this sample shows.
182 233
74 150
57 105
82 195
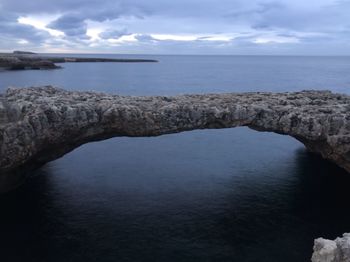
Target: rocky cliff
41 124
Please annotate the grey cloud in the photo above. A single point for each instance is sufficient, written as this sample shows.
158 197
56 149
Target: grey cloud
287 34
257 9
10 28
203 38
328 19
145 38
39 6
305 19
74 24
6 17
113 34
70 24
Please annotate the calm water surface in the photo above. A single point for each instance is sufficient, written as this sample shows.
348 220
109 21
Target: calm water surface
209 195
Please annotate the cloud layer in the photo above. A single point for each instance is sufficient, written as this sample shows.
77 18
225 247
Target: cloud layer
183 26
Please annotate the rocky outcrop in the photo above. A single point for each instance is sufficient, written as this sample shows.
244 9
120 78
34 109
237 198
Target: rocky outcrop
19 60
18 52
41 124
3 112
337 250
22 63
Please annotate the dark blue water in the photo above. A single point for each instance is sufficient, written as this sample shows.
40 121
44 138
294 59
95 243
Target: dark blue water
209 195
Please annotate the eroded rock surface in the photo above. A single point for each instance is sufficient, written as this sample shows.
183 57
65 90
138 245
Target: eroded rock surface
41 124
3 112
337 250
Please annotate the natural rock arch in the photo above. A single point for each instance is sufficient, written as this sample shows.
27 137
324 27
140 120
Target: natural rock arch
38 125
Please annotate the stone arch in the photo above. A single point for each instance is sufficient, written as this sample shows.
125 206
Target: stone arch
40 124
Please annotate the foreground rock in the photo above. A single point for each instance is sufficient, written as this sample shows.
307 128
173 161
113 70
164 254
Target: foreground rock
337 250
41 124
20 60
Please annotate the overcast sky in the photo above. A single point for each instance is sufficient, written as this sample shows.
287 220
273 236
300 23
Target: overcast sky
244 27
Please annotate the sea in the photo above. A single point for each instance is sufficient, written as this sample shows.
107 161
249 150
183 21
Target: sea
205 195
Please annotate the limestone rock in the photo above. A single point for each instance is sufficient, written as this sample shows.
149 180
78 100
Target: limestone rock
337 250
41 124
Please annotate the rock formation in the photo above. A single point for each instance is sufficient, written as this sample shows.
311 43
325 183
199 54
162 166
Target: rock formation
41 124
20 60
337 250
23 62
18 52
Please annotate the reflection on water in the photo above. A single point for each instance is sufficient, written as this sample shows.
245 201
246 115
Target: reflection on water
212 195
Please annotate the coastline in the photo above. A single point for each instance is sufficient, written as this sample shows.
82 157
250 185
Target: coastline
31 61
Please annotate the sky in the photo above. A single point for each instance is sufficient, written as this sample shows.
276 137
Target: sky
237 27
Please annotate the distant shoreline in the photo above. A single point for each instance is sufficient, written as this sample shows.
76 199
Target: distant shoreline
22 60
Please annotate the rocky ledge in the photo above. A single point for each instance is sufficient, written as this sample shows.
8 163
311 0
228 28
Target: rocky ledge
41 124
20 60
337 250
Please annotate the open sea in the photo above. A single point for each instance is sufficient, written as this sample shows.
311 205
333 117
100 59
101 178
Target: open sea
209 195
